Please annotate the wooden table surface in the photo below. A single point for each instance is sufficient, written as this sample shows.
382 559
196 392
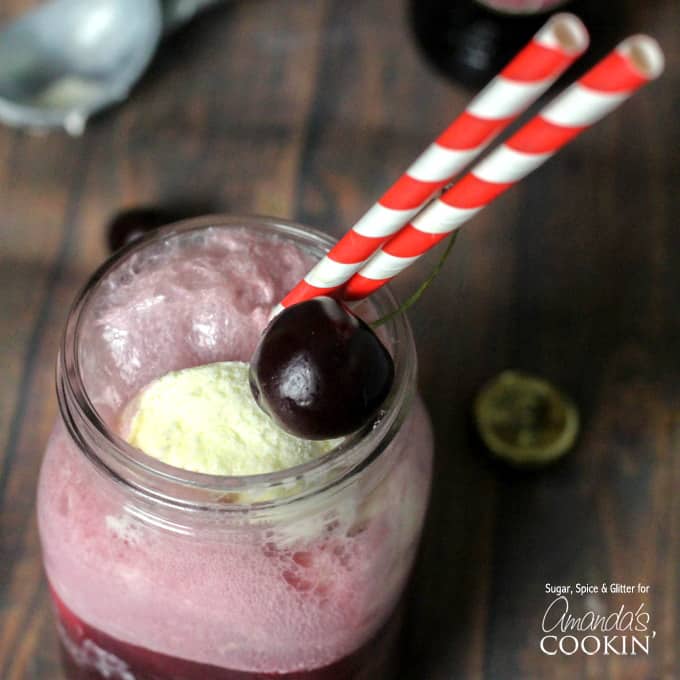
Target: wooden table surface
308 109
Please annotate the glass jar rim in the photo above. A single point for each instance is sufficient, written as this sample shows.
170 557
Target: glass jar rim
173 486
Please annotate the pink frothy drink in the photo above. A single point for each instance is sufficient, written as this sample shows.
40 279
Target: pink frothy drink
159 573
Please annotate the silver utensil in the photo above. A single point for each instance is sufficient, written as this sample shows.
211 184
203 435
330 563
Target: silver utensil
68 59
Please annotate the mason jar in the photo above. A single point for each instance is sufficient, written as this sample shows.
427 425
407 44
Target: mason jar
161 573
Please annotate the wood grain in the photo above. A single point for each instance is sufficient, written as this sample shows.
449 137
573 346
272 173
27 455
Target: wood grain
308 109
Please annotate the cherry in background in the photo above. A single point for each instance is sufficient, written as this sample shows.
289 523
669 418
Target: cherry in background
129 225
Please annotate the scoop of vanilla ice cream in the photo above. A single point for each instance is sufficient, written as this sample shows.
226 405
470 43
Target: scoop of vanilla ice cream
205 419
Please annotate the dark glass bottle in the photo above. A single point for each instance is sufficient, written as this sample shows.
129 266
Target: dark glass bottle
471 40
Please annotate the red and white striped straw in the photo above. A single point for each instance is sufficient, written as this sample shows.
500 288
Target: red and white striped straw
561 40
633 63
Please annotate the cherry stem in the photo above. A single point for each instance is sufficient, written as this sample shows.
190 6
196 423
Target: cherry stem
414 297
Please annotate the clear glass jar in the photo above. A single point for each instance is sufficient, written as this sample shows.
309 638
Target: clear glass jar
158 572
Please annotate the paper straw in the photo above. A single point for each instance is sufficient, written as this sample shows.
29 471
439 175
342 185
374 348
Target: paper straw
561 40
633 63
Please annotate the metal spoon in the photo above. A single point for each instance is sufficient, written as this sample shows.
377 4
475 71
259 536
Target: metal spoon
68 59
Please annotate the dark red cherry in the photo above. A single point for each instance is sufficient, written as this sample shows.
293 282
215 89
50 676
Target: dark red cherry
130 225
319 371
